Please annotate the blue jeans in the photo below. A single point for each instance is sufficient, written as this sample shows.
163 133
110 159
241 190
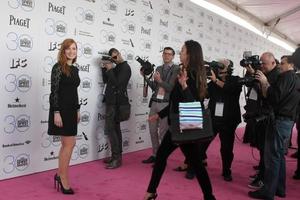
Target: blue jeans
275 174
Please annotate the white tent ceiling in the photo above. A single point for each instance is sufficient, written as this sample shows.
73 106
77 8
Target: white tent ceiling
279 16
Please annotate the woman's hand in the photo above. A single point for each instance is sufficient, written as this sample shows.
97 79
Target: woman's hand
212 77
153 118
182 78
58 120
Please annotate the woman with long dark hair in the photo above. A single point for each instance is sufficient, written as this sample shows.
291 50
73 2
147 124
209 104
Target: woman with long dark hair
64 109
190 86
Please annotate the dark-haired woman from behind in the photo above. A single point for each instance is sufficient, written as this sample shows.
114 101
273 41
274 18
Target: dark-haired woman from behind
64 110
190 86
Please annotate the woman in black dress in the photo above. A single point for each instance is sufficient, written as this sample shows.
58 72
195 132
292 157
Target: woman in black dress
190 86
64 109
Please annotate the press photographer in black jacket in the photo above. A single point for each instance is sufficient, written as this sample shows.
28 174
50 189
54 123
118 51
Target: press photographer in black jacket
224 94
283 96
116 80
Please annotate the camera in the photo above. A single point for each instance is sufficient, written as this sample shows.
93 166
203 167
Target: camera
214 66
147 68
248 59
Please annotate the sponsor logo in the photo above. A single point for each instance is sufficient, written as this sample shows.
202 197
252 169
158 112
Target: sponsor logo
18 62
111 6
140 141
128 42
126 143
86 84
129 12
21 83
128 26
16 144
45 102
141 114
146 45
56 9
164 23
19 21
148 18
83 101
50 157
145 31
102 147
46 82
141 127
83 151
85 118
84 68
26 5
54 46
83 15
108 23
128 55
15 41
108 37
147 4
178 16
16 104
55 27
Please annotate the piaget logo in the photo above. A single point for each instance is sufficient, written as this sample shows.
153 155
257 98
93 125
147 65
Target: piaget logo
56 8
23 22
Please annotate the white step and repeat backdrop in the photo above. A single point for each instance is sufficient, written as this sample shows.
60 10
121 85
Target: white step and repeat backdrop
31 33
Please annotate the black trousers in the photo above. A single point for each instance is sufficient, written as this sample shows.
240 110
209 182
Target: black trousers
192 153
226 135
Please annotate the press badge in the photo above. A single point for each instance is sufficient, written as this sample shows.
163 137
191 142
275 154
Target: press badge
219 109
160 93
253 95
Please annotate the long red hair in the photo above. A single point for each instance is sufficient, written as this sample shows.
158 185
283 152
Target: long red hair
62 58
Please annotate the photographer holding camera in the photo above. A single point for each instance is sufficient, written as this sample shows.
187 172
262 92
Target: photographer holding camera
115 94
161 85
283 98
224 92
258 110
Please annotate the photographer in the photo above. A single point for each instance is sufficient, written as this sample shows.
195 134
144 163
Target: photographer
161 85
257 112
296 61
224 92
115 94
283 97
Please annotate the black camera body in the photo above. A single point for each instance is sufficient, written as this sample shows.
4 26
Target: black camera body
147 68
251 60
214 66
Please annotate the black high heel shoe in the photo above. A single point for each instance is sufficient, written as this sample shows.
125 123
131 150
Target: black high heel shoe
152 196
58 184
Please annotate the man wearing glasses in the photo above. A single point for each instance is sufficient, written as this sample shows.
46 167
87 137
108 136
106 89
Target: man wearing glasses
161 85
283 97
115 93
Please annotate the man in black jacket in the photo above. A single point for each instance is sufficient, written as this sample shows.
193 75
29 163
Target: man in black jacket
224 93
115 93
283 96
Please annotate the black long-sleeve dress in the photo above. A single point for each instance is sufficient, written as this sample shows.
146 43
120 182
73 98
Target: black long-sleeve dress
64 98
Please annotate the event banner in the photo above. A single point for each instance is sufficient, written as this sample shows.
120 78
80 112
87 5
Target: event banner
31 35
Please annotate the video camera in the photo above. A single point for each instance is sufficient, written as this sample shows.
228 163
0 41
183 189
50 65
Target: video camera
147 68
253 60
249 59
214 66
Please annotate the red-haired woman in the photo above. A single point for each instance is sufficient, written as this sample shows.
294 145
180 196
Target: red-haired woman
64 109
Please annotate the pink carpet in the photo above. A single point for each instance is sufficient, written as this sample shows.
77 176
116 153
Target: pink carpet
92 182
